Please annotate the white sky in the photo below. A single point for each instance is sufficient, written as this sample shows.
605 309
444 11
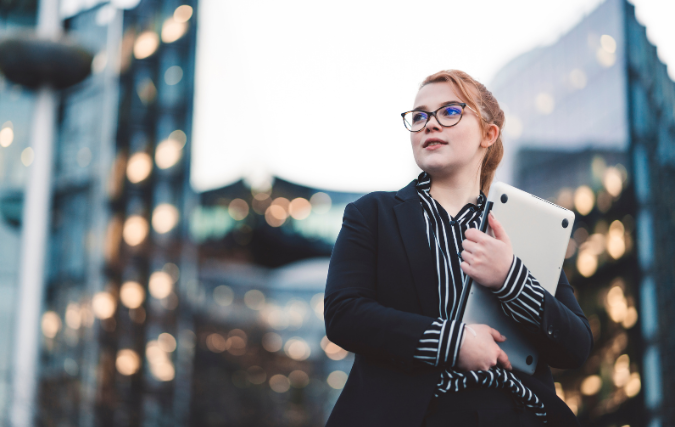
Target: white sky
312 91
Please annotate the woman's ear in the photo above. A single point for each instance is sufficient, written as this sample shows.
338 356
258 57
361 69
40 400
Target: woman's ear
490 136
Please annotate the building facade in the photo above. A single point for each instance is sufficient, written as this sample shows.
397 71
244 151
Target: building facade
590 126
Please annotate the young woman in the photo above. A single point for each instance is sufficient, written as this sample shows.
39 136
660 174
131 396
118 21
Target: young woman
396 274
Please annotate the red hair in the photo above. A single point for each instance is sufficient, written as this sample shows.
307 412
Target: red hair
481 100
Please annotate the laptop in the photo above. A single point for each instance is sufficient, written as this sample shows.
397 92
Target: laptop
539 232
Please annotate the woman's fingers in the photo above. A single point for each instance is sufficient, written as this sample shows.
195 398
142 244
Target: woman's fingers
496 335
503 360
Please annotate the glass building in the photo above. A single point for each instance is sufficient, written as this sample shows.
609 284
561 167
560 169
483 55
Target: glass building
590 126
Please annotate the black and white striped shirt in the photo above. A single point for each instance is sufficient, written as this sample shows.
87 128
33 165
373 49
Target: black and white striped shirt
521 298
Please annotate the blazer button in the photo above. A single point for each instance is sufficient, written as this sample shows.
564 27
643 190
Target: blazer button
550 329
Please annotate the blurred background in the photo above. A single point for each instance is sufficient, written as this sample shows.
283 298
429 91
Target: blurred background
173 176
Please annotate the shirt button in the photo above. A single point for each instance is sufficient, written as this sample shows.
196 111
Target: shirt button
550 330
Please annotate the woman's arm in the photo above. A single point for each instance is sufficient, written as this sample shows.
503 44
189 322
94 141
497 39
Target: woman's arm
563 332
354 319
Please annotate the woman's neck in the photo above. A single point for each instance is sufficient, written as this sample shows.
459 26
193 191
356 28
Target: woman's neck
455 191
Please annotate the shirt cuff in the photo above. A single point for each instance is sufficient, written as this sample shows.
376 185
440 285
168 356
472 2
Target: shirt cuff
521 296
439 344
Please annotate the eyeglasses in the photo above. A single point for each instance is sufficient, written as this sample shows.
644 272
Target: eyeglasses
446 116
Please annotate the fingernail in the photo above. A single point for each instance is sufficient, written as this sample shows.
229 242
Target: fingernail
503 337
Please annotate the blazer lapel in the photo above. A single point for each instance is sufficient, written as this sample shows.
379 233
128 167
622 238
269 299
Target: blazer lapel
410 218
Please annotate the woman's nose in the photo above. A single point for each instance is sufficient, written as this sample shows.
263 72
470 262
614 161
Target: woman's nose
432 124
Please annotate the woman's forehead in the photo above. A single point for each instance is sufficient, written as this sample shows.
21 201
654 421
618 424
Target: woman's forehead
433 95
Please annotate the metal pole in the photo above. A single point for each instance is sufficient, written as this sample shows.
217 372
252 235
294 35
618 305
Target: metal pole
34 230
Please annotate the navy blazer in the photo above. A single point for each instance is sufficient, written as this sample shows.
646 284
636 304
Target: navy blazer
381 295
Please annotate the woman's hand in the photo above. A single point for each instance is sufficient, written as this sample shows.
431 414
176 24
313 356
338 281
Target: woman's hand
481 352
485 258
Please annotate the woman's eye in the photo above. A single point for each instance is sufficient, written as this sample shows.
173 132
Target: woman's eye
419 117
451 110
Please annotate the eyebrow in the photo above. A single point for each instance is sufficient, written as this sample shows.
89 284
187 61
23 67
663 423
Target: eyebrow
424 107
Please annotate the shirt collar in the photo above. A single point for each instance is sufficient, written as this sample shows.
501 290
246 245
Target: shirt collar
424 184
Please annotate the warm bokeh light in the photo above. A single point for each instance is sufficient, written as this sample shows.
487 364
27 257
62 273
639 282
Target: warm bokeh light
300 208
132 294
297 349
166 342
571 249
135 230
279 383
139 167
587 263
6 135
584 199
612 181
238 209
182 13
216 343
337 379
223 295
616 244
146 44
321 202
256 375
298 378
545 103
160 284
616 304
317 305
173 30
128 362
27 156
161 366
51 324
272 342
73 316
621 373
630 318
608 43
168 153
237 342
296 311
164 218
254 299
335 352
104 305
591 385
275 215
565 198
633 385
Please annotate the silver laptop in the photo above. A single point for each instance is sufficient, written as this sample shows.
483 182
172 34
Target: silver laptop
539 232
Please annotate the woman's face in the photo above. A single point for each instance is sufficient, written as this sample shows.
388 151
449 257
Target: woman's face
452 148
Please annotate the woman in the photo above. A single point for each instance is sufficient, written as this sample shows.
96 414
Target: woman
396 273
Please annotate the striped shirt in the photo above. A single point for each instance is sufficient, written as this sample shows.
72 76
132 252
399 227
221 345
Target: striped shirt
521 298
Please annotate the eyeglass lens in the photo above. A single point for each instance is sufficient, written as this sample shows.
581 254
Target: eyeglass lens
446 116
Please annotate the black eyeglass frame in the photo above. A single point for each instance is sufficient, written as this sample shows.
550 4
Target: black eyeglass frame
430 113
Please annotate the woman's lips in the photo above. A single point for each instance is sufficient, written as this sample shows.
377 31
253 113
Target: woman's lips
433 144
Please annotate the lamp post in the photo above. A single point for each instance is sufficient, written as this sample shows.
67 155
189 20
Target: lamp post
45 62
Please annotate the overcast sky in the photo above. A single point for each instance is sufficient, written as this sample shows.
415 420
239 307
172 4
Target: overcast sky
312 91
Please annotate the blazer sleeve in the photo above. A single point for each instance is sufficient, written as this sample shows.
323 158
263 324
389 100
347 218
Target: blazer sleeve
565 338
354 319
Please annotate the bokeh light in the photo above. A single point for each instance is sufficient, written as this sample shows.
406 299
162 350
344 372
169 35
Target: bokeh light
591 385
128 362
321 202
139 167
160 284
182 13
238 209
132 294
272 342
164 218
27 156
297 349
300 208
223 295
51 324
173 30
279 383
166 342
584 199
135 230
337 379
254 299
168 153
146 44
104 305
6 135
